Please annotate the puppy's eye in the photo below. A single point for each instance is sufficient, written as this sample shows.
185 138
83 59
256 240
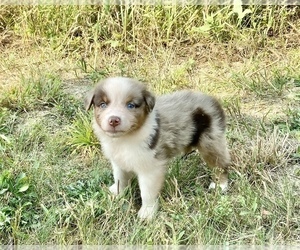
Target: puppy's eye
130 105
103 105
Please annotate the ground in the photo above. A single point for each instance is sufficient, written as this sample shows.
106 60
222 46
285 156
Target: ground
54 180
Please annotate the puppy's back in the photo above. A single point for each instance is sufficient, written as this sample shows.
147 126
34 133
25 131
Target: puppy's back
180 107
186 116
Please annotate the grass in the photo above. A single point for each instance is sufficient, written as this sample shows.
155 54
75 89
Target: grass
53 177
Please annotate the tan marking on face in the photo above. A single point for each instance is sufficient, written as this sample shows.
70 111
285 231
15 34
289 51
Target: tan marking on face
117 93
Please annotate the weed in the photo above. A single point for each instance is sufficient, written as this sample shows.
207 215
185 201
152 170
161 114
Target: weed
290 123
262 85
31 94
81 137
75 28
18 199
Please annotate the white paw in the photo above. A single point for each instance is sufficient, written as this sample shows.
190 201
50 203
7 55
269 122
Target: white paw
114 189
223 186
147 212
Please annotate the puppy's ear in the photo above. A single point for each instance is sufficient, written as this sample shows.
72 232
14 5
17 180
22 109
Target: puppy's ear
88 100
149 100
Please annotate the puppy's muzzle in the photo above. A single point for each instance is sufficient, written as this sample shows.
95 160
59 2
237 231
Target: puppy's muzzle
114 121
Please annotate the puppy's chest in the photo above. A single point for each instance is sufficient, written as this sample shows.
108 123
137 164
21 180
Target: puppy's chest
129 156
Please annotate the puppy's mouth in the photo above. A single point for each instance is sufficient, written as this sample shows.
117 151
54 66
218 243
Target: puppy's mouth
114 133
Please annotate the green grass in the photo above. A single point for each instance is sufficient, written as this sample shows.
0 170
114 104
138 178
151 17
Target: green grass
53 177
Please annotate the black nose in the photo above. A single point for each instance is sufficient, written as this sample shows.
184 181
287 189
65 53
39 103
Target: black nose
114 121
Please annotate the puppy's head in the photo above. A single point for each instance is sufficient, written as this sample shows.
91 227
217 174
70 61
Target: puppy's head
121 105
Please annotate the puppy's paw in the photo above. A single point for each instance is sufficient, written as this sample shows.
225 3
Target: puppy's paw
223 186
114 189
147 212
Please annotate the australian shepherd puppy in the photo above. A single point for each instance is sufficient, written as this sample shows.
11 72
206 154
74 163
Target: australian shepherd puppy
140 133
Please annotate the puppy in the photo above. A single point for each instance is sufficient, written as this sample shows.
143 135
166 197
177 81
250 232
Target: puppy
139 134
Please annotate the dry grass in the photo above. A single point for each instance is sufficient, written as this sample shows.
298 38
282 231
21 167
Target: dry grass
53 178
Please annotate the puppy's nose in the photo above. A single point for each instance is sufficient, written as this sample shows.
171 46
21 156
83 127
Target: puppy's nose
114 121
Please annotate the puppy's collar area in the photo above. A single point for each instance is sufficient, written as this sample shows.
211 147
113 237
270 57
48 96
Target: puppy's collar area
153 139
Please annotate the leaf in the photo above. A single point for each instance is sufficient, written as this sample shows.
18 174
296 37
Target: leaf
202 29
23 188
205 28
4 138
245 12
21 177
3 190
113 43
254 206
181 234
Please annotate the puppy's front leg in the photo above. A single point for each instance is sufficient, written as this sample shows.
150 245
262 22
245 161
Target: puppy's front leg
121 178
150 183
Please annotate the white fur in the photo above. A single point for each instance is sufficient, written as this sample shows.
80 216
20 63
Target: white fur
130 154
129 150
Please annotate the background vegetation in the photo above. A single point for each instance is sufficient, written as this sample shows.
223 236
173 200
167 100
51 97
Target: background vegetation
53 177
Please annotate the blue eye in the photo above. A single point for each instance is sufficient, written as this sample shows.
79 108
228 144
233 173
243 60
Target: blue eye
103 105
130 105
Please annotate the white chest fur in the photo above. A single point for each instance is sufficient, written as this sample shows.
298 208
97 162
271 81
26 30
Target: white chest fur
130 152
128 155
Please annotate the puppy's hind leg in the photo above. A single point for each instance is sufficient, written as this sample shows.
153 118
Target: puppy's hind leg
215 153
121 178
